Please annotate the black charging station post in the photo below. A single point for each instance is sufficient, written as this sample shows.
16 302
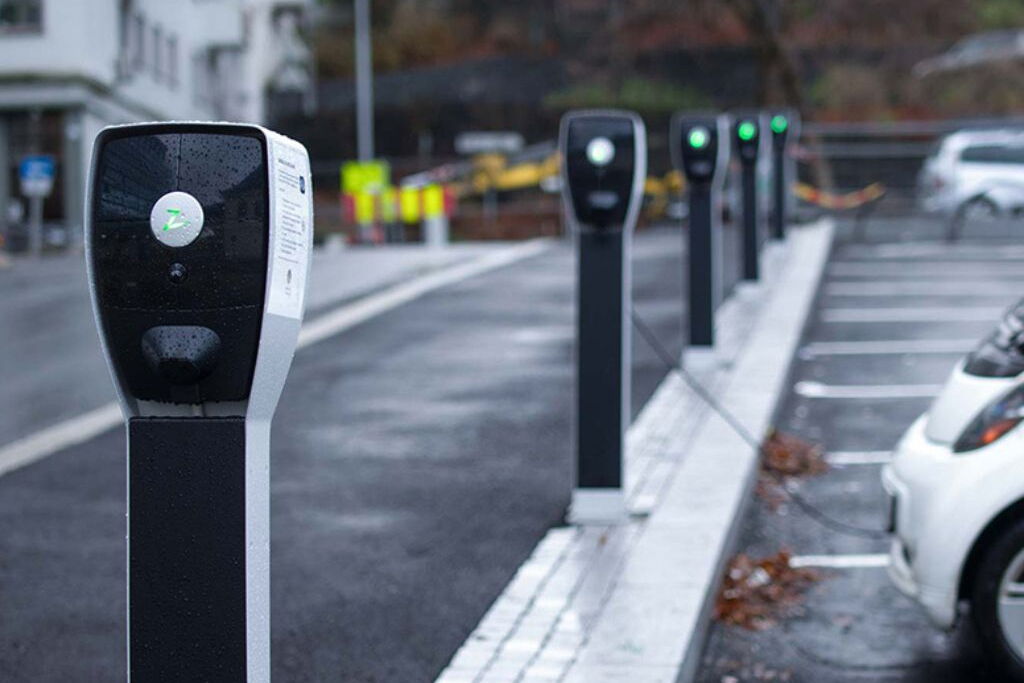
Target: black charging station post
700 150
198 240
785 129
746 129
604 165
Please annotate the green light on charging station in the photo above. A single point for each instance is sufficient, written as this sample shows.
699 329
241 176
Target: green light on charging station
746 131
698 137
779 123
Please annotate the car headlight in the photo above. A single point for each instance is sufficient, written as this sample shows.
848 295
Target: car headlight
994 421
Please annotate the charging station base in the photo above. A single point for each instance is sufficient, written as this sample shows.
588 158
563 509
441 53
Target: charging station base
597 506
187 549
701 358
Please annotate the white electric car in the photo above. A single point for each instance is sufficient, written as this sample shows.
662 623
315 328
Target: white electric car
974 174
956 484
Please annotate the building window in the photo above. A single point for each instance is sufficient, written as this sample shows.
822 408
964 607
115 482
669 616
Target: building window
158 48
21 16
139 42
172 60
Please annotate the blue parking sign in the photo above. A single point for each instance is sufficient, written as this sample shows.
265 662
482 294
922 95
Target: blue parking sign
36 175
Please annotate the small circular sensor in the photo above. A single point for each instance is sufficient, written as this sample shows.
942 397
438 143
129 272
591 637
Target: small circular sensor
177 273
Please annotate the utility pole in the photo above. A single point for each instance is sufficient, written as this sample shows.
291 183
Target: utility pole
364 81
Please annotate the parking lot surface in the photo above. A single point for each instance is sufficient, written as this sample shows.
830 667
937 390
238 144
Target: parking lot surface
417 460
892 319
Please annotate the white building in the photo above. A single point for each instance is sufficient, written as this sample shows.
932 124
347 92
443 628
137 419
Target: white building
70 67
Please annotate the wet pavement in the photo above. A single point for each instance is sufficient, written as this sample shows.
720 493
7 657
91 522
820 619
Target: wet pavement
417 460
854 625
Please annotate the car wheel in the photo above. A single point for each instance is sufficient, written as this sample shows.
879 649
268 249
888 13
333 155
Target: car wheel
997 600
975 209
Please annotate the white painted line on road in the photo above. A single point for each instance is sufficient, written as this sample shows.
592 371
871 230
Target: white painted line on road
917 314
867 561
996 252
842 458
927 287
892 346
918 269
83 427
58 437
360 311
810 389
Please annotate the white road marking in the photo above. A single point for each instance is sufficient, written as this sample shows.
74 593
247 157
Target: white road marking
360 311
871 391
919 314
83 427
842 458
927 287
999 252
892 346
62 435
867 561
918 269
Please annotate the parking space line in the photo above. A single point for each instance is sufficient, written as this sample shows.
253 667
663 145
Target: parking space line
81 428
892 346
865 561
919 314
842 458
927 287
810 389
996 252
922 269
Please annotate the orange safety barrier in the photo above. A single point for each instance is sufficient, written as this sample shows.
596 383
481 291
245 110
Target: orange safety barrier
830 200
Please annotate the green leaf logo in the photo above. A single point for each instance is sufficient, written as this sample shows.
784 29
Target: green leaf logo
175 221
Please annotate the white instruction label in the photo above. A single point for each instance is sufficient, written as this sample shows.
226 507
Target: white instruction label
293 230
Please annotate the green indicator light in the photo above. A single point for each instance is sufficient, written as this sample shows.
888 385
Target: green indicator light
175 221
698 137
746 130
779 123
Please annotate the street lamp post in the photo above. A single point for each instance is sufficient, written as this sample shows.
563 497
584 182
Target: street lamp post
364 81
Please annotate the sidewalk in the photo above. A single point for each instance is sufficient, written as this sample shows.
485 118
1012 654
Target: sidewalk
631 602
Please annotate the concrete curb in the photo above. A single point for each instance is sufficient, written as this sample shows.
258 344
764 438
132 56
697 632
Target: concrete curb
632 602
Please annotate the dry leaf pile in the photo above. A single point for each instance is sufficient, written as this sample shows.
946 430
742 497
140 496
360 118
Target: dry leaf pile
756 593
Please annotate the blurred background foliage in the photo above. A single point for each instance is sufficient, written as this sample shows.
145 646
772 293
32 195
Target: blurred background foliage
850 55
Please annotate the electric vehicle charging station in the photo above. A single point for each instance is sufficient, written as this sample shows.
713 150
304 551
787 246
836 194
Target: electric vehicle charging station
198 245
604 166
747 137
700 150
785 129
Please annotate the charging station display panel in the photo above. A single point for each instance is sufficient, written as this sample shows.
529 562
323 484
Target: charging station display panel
747 133
179 230
600 168
695 146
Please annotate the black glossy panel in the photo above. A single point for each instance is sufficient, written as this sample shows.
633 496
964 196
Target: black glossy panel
600 194
227 174
133 173
227 379
218 281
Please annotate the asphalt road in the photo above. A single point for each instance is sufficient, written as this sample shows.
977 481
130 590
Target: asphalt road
52 369
854 625
417 459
